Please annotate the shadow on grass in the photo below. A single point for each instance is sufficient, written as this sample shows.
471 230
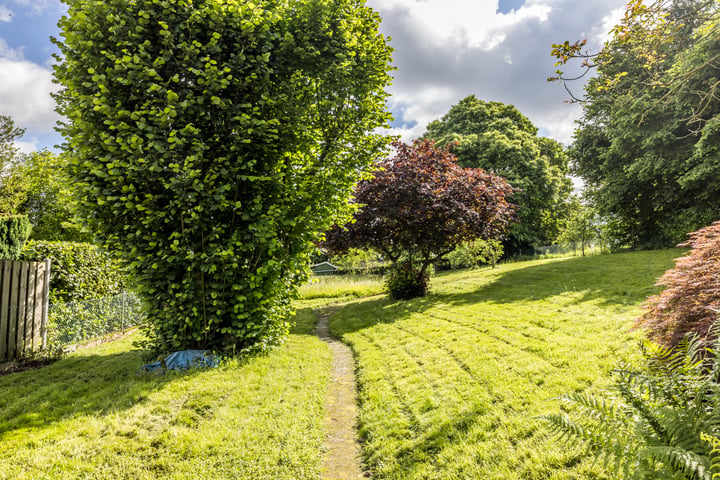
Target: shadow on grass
621 279
422 450
82 385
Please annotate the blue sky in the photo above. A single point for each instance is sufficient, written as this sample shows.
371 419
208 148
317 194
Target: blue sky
445 50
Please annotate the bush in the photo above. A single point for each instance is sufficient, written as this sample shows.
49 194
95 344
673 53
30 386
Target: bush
79 271
404 283
211 142
14 232
475 253
691 301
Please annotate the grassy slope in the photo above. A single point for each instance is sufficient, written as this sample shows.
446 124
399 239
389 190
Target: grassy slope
451 385
92 416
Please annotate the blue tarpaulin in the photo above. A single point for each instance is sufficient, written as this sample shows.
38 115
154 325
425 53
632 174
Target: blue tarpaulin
183 360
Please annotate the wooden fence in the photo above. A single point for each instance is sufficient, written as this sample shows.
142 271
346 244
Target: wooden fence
24 292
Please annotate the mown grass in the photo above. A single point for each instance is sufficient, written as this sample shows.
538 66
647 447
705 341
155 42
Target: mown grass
93 416
451 385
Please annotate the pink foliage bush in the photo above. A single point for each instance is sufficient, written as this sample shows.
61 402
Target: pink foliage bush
691 301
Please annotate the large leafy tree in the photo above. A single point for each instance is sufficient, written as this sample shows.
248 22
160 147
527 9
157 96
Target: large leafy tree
210 140
420 206
11 191
498 138
648 144
35 185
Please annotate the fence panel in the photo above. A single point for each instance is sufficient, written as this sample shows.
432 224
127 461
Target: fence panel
24 293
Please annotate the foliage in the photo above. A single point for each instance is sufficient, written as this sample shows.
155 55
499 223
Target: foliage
80 271
665 421
691 299
211 141
498 138
581 225
14 232
403 282
35 185
450 385
419 206
8 151
474 253
647 143
358 260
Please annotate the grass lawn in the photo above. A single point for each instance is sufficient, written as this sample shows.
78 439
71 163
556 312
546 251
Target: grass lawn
92 416
450 386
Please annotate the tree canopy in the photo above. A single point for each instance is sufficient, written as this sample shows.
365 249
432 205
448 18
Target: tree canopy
210 141
648 144
420 206
498 138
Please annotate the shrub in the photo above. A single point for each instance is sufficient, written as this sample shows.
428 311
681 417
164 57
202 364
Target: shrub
403 282
477 252
14 232
211 142
79 271
691 301
666 423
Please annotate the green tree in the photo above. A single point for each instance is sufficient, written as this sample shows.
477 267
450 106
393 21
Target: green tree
211 140
8 134
11 191
498 138
647 145
581 225
36 185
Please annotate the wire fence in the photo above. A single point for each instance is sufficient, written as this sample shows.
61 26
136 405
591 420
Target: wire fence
572 248
75 322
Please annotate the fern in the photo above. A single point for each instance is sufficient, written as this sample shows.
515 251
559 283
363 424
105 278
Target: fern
666 423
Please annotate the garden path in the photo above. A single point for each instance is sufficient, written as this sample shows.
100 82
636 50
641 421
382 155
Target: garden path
342 450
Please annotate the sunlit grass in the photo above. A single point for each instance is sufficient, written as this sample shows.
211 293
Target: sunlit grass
333 286
94 416
450 385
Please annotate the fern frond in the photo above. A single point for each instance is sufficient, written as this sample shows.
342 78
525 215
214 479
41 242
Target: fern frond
714 454
599 408
692 465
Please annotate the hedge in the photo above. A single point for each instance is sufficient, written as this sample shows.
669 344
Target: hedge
80 271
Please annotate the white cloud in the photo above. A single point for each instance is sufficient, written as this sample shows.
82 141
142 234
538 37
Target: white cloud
28 146
5 14
25 89
446 50
37 6
601 33
463 24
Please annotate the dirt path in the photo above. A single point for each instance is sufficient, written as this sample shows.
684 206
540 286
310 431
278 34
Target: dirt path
342 455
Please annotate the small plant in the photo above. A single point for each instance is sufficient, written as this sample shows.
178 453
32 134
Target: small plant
14 232
404 283
665 423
